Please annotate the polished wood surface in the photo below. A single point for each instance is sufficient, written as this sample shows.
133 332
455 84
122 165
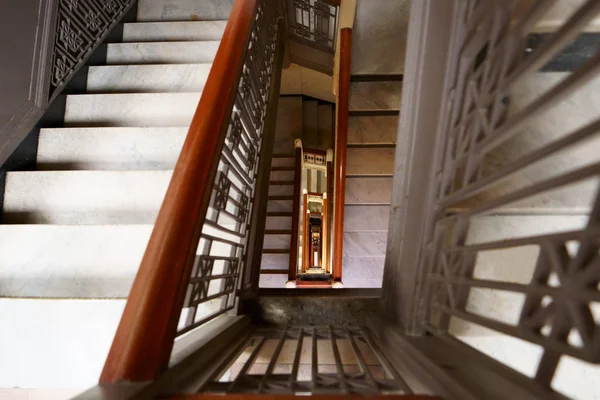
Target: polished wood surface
293 266
340 151
305 237
292 397
144 338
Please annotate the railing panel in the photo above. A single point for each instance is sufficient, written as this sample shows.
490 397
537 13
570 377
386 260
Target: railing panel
314 22
510 248
191 270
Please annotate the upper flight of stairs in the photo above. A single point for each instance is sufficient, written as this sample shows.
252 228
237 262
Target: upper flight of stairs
74 231
373 125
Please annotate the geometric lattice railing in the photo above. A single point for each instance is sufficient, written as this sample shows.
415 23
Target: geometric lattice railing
510 259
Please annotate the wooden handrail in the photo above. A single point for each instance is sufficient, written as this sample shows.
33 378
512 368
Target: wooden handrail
341 143
144 339
293 266
329 201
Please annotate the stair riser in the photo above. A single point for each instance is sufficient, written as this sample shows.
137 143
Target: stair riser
127 197
161 52
375 95
147 78
183 10
107 110
173 31
111 149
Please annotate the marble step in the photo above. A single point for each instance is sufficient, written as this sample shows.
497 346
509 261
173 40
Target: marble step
184 10
282 160
280 206
370 161
162 52
272 280
129 148
287 175
71 261
365 244
282 189
56 343
84 197
372 130
274 222
173 31
139 109
274 261
366 218
147 78
276 241
362 272
375 95
368 190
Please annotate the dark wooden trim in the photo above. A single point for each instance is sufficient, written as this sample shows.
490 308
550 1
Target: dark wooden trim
329 201
142 345
293 264
377 78
340 151
274 271
305 235
293 397
348 293
279 214
276 251
373 113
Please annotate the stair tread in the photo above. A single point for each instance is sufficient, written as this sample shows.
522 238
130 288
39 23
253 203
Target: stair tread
66 261
173 31
110 148
84 197
155 78
131 109
75 336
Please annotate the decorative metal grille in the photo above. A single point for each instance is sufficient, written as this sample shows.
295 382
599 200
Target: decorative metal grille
317 159
80 26
512 251
314 22
316 360
222 247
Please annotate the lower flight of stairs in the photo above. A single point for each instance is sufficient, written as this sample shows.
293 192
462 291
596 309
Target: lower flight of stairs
373 125
75 229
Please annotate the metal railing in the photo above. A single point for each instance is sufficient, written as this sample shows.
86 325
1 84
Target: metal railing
311 360
190 273
510 241
314 22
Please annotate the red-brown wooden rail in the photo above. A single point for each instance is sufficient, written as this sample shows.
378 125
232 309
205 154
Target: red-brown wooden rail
341 143
293 266
144 339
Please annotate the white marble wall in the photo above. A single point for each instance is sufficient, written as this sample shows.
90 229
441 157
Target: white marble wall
379 36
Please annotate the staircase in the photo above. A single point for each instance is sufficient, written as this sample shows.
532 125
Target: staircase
74 230
373 126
